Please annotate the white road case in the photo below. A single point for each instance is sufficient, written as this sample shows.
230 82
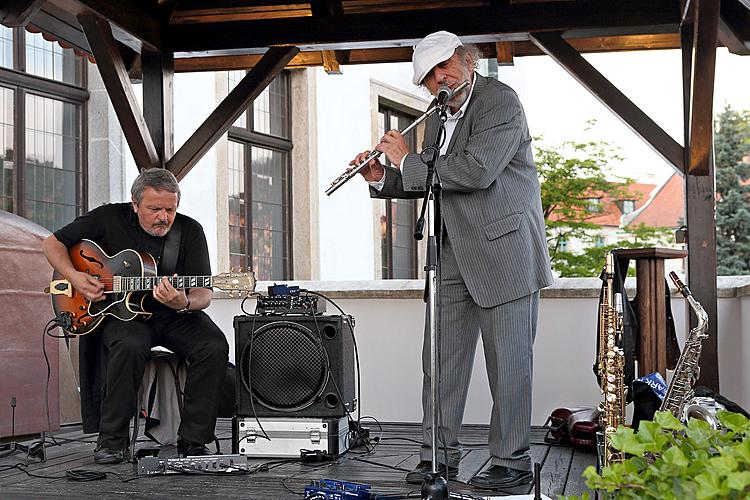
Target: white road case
288 436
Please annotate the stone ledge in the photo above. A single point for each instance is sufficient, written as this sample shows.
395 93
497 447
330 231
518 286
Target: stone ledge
562 288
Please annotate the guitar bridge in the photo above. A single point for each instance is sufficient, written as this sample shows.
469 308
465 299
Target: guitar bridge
60 287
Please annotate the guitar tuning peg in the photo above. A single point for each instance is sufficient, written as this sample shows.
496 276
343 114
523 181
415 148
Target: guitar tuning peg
239 269
231 269
231 295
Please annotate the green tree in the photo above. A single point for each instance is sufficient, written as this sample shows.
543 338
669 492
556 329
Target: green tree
571 174
731 146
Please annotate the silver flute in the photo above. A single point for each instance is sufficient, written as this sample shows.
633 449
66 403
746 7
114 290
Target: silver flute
352 171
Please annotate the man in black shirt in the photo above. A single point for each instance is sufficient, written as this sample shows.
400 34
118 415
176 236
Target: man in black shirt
178 322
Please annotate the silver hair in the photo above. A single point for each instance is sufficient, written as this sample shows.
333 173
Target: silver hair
160 179
472 51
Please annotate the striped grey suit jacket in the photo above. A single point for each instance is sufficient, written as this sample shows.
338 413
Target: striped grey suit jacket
491 203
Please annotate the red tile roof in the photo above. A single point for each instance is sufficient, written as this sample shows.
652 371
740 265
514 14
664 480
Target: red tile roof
667 206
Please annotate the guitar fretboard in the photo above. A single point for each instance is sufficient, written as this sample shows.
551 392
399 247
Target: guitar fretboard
142 283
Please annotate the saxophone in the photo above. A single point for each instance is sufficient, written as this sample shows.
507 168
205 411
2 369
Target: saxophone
680 398
611 364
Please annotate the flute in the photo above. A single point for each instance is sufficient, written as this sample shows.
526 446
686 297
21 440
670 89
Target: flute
352 171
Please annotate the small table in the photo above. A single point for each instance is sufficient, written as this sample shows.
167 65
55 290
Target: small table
649 268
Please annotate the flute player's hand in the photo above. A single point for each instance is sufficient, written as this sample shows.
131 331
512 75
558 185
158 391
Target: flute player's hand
374 170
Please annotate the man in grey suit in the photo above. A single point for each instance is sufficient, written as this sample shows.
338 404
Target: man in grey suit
493 259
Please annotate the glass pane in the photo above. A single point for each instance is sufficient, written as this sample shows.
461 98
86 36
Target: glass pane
52 171
50 60
7 163
6 47
398 246
237 223
270 109
233 78
268 214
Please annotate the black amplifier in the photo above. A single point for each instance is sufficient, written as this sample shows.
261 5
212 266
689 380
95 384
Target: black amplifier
290 304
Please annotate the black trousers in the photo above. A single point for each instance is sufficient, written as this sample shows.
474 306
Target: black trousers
193 337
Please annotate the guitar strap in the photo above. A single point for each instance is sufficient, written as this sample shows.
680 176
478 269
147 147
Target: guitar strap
171 249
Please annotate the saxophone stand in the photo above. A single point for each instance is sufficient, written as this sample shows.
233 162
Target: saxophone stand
435 487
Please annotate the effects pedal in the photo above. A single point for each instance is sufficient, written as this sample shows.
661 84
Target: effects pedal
328 489
283 299
151 466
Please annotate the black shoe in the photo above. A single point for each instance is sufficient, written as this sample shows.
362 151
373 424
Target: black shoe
187 448
424 469
498 476
103 455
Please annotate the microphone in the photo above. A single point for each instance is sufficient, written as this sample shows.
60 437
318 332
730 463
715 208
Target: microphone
444 95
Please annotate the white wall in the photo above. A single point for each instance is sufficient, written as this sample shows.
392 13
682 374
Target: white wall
389 336
344 130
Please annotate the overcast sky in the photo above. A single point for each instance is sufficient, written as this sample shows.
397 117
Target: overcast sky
558 107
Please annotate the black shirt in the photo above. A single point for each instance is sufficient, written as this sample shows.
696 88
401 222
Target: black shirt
115 227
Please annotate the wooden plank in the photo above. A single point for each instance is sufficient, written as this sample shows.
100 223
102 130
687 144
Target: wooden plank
282 482
229 109
228 63
700 215
158 100
130 16
330 62
574 483
18 12
120 91
504 53
632 17
702 97
609 95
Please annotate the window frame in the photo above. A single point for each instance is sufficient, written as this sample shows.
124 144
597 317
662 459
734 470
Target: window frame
247 138
386 260
23 84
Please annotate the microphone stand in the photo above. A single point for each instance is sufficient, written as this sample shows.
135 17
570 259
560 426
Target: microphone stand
435 487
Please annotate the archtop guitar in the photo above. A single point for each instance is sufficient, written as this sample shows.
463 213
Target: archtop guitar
128 276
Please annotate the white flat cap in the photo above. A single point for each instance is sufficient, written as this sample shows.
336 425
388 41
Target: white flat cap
431 51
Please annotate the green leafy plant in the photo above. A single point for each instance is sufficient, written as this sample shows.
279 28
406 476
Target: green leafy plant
671 460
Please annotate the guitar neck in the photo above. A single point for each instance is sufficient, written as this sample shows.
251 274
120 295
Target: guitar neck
144 283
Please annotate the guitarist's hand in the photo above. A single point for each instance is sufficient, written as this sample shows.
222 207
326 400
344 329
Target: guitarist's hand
169 295
90 287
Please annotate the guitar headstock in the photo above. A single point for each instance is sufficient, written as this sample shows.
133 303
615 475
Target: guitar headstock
242 282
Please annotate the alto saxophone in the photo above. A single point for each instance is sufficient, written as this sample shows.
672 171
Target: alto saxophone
611 365
680 398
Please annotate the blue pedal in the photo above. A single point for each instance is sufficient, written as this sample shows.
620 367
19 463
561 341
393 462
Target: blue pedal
328 489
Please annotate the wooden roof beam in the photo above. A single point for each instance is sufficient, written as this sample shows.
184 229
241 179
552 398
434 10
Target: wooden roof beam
734 26
639 122
706 30
133 25
18 12
227 112
120 91
586 18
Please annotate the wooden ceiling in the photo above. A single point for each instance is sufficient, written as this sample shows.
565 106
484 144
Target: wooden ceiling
233 34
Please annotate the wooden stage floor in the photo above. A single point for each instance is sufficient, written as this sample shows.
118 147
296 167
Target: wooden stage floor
383 469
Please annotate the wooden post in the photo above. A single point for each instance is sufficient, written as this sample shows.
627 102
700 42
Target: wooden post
650 290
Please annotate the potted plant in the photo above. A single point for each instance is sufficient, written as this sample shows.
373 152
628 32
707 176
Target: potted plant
671 460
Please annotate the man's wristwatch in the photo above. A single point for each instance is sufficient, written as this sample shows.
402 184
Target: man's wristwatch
187 306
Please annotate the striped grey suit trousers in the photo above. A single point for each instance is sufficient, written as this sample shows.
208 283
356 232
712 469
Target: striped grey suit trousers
508 332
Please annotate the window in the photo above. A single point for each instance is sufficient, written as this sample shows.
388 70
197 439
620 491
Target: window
628 206
41 129
599 241
594 205
562 245
398 247
259 183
